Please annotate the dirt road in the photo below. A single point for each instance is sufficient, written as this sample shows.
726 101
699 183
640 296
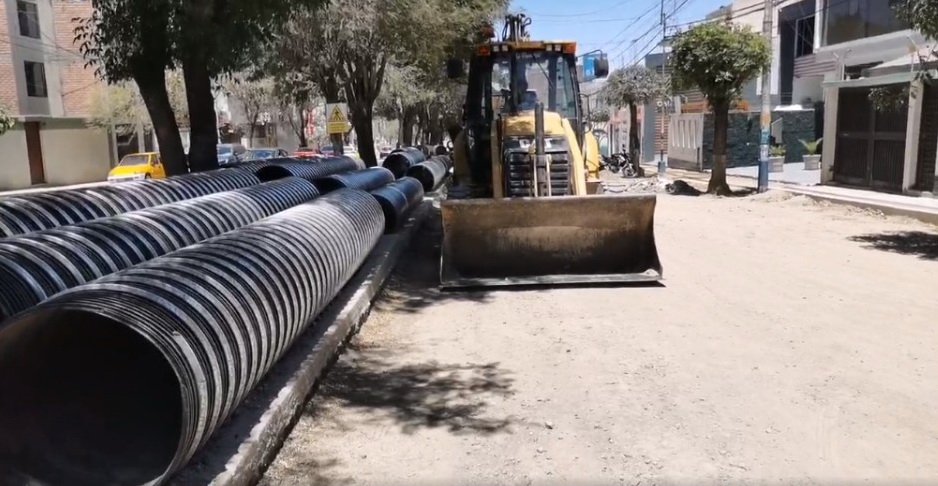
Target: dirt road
791 343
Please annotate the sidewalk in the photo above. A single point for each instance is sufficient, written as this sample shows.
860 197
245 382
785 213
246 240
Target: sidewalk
794 174
921 208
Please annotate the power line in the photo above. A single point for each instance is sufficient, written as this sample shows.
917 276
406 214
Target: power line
626 29
581 14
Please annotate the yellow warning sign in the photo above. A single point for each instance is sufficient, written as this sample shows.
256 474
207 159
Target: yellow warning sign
337 118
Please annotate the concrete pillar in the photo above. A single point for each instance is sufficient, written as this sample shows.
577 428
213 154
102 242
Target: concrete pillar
913 128
831 96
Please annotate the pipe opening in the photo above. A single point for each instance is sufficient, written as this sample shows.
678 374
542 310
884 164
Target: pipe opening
273 173
85 401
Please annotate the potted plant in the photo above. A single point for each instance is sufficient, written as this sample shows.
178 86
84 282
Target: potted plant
812 159
777 158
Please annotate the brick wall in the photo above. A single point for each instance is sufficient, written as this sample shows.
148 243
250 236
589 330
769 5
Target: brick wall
78 83
7 78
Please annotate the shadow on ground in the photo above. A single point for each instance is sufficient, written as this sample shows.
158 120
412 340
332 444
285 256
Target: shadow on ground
414 396
919 243
415 282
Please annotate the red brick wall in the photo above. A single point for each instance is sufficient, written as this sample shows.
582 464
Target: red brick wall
7 77
78 83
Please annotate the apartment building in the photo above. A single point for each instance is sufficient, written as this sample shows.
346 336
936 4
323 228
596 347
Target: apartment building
45 86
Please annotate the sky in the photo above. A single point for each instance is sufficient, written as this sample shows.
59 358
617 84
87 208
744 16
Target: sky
625 30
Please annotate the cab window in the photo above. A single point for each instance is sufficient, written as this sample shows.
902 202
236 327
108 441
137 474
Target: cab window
134 159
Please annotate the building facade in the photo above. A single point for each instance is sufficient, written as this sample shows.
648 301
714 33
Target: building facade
45 86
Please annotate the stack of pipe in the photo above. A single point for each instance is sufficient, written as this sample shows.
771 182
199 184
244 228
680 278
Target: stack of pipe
120 381
433 172
402 159
366 180
38 265
45 210
398 200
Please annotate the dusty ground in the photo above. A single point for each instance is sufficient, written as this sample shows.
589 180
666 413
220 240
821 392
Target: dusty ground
791 343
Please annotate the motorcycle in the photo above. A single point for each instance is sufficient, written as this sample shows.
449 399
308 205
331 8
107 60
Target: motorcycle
622 162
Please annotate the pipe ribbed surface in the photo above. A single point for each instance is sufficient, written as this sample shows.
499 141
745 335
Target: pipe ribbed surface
45 210
126 377
402 159
432 173
366 180
310 171
397 200
38 265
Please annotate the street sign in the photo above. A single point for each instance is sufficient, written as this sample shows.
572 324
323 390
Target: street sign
337 118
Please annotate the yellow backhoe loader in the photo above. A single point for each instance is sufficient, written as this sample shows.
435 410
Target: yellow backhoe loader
525 208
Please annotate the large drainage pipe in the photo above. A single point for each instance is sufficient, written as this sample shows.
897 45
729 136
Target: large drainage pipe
120 381
39 265
40 211
310 171
397 201
365 180
432 173
402 159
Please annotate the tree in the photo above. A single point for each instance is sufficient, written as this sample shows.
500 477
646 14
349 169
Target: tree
345 49
629 87
129 39
255 96
120 107
6 121
718 59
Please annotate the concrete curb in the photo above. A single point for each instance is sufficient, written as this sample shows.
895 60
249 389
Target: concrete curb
893 209
888 208
240 451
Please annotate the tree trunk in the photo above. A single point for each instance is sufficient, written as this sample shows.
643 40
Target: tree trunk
153 91
721 118
635 143
251 130
203 151
303 116
362 119
407 129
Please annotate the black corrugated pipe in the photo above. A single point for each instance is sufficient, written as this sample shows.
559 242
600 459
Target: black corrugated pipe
40 211
366 180
120 381
310 171
397 200
38 265
402 159
432 173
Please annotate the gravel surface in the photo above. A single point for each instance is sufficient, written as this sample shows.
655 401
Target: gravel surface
791 343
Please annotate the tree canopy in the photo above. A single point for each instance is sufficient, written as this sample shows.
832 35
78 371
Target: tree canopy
633 85
718 59
6 121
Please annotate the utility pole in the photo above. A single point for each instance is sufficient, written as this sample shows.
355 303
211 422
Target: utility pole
766 118
662 165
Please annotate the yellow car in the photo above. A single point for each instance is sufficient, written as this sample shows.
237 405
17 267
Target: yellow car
137 167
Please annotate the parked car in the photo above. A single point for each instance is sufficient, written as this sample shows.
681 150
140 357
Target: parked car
136 167
230 153
307 153
264 153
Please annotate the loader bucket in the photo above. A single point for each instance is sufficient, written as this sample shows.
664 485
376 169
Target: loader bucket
552 240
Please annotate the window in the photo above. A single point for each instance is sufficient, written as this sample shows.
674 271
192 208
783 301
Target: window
849 20
804 36
28 14
36 79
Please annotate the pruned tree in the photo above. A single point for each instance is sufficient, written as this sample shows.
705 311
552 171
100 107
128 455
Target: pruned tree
629 87
718 59
256 97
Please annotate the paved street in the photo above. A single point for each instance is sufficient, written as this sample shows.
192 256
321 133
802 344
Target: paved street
792 342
